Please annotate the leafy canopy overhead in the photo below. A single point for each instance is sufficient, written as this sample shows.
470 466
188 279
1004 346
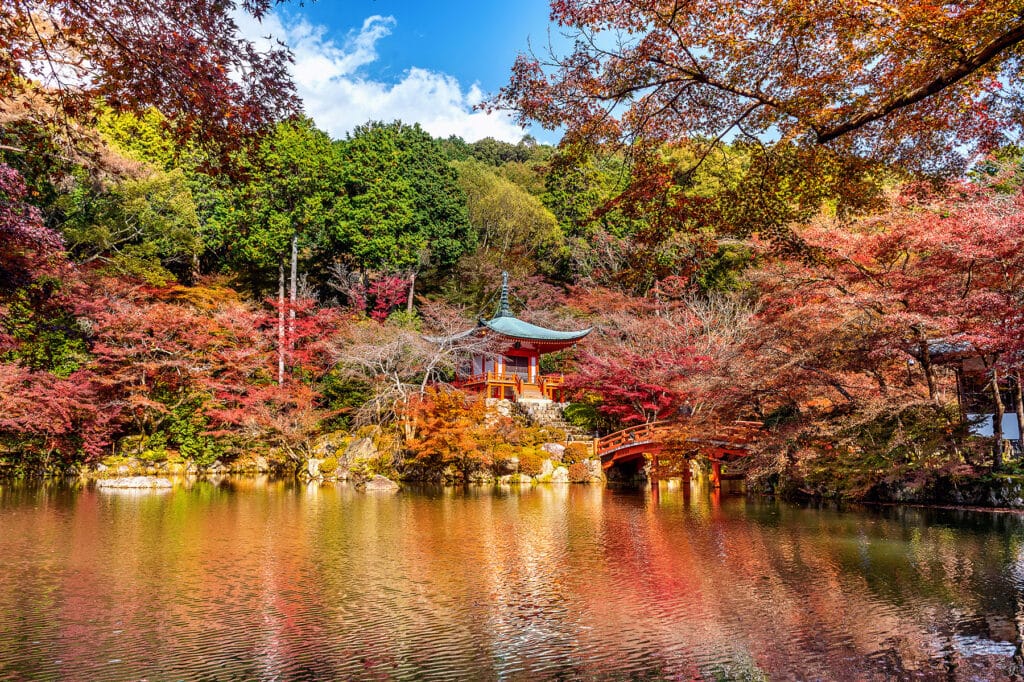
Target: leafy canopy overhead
186 58
899 80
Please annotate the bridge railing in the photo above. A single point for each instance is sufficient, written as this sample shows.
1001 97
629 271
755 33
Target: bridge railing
735 436
634 434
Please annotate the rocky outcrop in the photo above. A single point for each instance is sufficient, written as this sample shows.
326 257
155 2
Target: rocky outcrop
217 468
554 449
380 484
560 475
981 491
499 408
594 469
358 449
482 476
330 444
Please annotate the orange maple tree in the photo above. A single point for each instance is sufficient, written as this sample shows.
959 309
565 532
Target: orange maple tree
450 429
903 80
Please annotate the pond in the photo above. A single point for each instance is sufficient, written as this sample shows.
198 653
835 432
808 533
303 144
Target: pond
262 579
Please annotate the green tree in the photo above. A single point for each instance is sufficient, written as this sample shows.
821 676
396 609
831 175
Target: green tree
508 219
402 202
138 226
293 187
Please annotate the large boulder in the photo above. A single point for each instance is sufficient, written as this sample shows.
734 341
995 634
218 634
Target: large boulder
217 468
554 449
313 467
560 475
380 484
333 443
360 448
546 468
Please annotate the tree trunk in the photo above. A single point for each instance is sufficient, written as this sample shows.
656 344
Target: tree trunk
280 324
412 289
1018 404
293 292
997 421
961 394
926 365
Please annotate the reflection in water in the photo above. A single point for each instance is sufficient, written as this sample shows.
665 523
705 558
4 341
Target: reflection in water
267 579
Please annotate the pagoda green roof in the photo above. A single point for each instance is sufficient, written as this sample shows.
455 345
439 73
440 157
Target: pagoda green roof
506 325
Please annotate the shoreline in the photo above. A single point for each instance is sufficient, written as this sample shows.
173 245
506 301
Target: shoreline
106 483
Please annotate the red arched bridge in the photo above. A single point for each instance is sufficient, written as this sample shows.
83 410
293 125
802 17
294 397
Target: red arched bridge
725 444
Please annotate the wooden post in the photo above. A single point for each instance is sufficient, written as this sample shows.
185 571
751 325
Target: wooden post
716 474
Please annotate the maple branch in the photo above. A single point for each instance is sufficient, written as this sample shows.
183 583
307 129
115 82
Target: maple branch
961 70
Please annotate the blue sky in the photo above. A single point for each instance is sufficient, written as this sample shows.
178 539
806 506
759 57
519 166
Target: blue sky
425 62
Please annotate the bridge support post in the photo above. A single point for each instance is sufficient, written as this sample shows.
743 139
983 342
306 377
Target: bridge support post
716 474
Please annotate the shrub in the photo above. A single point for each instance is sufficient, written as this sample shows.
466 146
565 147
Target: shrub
329 465
503 452
530 461
550 434
584 416
342 396
578 473
381 465
575 452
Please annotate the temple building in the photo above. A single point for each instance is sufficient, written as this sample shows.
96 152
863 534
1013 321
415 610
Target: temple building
512 370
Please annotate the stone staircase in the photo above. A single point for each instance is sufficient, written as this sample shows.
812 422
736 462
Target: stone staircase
531 393
543 412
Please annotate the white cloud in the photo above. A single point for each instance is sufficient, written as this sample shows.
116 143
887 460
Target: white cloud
338 97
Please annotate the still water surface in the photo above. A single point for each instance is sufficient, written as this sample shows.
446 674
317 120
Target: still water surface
257 579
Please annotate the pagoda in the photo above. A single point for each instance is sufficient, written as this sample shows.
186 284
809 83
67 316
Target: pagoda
512 372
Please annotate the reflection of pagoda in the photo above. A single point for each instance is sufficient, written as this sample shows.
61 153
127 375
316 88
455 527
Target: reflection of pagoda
513 371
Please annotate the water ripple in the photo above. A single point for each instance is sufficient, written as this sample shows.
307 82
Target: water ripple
271 581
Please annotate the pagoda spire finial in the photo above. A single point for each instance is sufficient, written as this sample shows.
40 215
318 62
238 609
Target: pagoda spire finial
503 308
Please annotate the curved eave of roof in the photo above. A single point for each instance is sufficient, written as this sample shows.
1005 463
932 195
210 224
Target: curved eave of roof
516 328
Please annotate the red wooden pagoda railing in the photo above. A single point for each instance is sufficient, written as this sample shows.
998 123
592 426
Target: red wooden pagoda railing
548 385
551 384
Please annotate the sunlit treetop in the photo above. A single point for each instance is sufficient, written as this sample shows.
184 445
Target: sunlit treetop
182 57
903 81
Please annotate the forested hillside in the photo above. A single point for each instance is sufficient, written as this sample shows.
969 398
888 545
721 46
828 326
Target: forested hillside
165 294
